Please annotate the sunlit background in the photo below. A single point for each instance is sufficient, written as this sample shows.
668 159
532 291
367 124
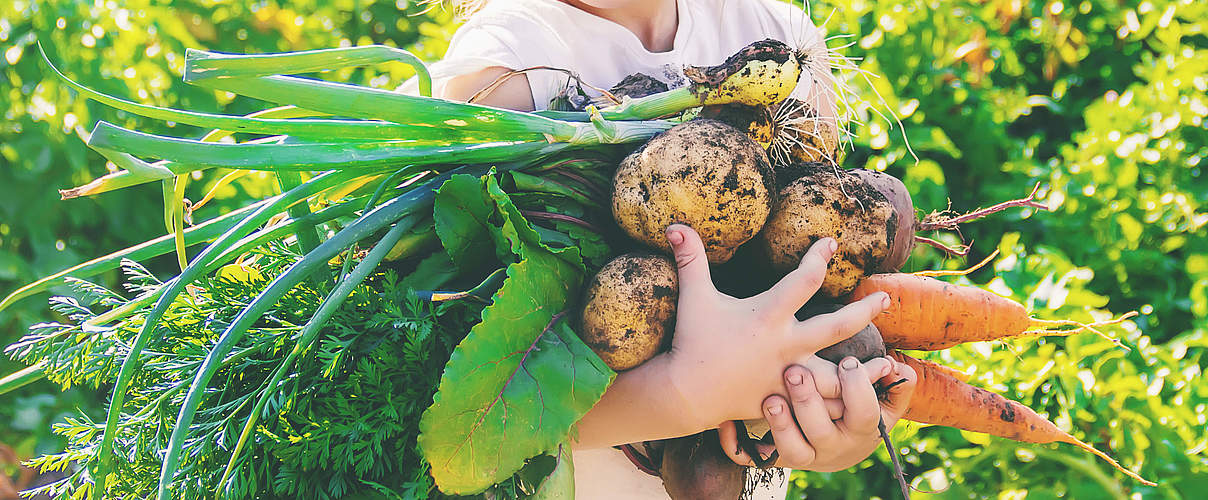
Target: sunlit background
1101 102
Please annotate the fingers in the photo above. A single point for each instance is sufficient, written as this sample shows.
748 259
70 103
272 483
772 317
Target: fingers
897 398
826 376
789 441
862 410
877 369
825 330
691 260
727 436
810 411
792 291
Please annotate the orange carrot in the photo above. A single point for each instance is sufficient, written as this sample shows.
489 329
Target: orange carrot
932 366
943 400
929 314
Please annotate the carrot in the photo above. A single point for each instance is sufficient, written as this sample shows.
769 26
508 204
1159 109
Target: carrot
928 314
941 399
932 366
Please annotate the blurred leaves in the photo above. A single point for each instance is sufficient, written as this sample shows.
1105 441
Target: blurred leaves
1104 103
135 49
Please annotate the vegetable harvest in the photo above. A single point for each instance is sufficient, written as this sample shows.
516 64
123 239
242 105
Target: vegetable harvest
441 290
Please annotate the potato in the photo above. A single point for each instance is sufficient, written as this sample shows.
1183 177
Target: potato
815 206
629 311
702 173
756 121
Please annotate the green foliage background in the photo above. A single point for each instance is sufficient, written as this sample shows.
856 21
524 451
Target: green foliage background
1102 102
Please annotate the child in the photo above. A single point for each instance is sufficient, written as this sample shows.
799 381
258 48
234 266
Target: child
731 359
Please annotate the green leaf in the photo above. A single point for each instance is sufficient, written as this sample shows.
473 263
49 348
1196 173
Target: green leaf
519 233
592 245
515 385
468 211
462 212
560 484
430 273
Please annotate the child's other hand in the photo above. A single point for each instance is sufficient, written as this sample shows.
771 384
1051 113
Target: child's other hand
806 433
728 354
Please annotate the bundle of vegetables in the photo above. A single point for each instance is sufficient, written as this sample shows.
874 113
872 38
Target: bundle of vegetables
455 354
702 174
286 360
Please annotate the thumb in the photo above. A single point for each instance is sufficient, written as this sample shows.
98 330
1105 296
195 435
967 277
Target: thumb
691 260
896 400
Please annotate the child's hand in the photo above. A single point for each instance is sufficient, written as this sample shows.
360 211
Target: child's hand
806 432
728 353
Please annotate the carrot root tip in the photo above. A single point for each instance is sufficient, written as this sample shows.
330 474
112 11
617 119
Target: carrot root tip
937 274
1053 327
1079 443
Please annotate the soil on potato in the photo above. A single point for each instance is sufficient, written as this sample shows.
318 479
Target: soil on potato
703 173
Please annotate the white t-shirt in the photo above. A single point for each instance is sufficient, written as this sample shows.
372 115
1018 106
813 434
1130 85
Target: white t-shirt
518 34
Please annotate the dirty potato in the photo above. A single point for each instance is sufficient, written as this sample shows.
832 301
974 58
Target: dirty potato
702 173
826 202
629 311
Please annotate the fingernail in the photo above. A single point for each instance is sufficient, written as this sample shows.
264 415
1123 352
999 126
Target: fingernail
850 363
775 409
675 237
796 379
832 245
885 300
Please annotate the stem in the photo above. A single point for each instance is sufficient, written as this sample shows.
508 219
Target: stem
533 214
596 190
959 251
22 377
202 64
931 224
642 108
148 333
893 454
308 239
138 172
399 210
337 154
373 199
567 163
364 102
176 212
315 128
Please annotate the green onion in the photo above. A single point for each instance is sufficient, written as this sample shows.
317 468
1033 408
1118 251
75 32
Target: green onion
190 273
201 64
20 378
309 332
400 211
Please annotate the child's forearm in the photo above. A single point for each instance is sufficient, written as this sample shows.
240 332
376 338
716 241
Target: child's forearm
640 405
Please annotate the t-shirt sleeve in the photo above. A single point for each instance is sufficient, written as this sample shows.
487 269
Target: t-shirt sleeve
499 40
473 48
